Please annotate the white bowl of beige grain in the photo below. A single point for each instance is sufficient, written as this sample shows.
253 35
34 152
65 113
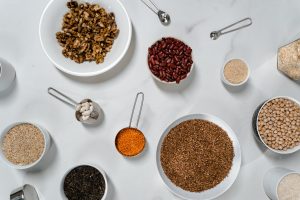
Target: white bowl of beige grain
282 184
23 145
235 72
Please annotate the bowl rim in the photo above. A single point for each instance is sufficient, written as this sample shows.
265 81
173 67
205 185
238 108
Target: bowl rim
79 165
174 82
232 135
235 84
86 74
23 167
289 151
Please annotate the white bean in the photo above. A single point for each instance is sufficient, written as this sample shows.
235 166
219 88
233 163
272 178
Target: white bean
87 113
91 108
86 104
82 109
84 118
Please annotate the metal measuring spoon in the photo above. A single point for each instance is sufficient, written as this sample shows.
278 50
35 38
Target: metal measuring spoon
164 17
141 95
26 192
216 34
94 115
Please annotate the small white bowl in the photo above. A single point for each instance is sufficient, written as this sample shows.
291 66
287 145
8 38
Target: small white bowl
51 22
272 179
289 151
232 84
96 167
174 82
47 140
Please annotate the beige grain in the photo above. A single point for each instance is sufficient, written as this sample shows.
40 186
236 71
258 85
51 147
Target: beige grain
23 144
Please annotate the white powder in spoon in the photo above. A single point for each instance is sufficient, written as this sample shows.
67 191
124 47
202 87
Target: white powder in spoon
289 187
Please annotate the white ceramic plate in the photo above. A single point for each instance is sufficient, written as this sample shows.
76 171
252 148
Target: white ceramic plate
51 22
225 184
289 151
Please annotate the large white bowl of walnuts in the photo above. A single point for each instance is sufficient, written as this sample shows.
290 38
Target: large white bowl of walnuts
85 38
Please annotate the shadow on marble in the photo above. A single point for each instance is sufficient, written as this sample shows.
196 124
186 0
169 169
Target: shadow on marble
9 91
258 142
237 89
46 161
111 189
178 87
112 72
275 156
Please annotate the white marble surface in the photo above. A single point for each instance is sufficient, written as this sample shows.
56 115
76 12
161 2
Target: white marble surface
274 24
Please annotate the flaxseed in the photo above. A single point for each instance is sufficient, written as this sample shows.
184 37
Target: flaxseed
197 155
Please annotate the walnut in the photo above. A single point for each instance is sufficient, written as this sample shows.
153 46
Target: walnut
88 32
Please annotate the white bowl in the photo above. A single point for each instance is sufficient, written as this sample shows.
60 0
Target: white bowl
47 140
51 22
220 188
174 82
272 179
233 84
289 151
96 167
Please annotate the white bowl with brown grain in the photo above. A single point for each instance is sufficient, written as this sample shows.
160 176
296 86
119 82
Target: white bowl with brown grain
276 136
51 22
11 147
220 188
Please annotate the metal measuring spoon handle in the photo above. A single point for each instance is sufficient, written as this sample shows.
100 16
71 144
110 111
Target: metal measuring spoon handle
62 97
216 34
140 110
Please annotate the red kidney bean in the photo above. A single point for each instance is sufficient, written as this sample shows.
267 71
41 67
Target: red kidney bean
170 59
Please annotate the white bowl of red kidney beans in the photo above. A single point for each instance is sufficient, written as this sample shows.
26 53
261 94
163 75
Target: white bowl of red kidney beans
170 60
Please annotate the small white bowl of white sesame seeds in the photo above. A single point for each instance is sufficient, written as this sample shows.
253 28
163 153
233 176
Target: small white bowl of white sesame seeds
235 73
278 124
23 145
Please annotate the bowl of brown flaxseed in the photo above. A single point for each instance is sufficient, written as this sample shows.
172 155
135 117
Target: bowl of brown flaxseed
198 157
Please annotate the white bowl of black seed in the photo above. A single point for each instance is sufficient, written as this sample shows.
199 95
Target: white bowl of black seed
24 145
170 60
198 157
84 182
